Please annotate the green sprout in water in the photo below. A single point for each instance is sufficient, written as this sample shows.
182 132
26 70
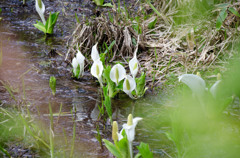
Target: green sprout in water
100 3
45 26
52 84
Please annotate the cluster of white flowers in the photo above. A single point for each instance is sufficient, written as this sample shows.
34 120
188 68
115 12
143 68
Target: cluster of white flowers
117 73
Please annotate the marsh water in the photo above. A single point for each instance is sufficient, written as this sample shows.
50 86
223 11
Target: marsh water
30 58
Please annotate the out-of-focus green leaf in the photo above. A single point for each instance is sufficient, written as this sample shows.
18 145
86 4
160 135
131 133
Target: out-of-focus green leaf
122 145
145 151
112 148
107 5
234 11
152 24
77 19
221 17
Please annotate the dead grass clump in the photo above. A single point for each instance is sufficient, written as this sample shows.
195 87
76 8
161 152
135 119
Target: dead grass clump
162 50
103 31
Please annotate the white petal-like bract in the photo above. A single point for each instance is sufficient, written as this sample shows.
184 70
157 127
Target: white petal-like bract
40 10
195 83
94 53
130 130
97 69
214 88
117 73
129 84
133 65
80 60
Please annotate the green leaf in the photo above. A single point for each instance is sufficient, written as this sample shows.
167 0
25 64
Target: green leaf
234 11
110 84
52 84
152 24
98 2
52 19
110 47
141 85
221 17
77 19
112 148
107 5
107 102
138 155
123 147
40 26
5 152
145 151
77 72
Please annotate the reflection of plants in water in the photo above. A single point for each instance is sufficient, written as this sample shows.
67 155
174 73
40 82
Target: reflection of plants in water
122 147
45 26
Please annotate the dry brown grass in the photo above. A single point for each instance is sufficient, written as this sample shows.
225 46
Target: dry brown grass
162 50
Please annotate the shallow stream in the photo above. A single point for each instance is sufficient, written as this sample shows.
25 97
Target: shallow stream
29 59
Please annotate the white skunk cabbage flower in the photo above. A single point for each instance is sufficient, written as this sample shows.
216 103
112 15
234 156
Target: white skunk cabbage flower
130 130
78 61
94 54
214 88
74 65
117 73
133 65
129 85
198 85
97 69
40 7
195 83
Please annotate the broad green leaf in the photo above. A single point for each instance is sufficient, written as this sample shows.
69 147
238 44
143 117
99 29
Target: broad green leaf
122 146
145 151
141 85
51 22
112 148
234 11
221 17
40 26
